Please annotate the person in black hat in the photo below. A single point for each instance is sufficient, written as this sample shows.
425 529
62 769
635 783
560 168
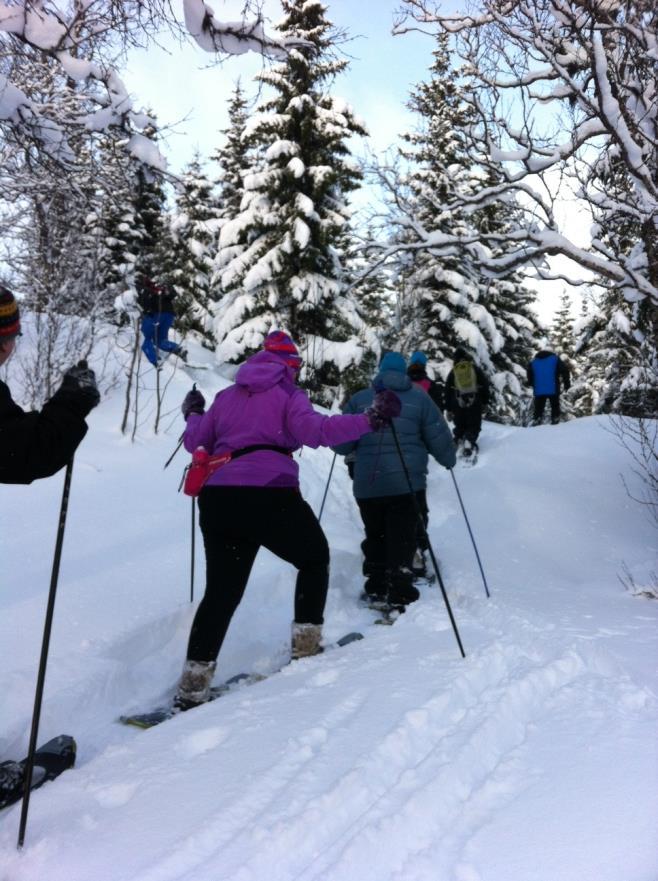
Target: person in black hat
467 396
37 444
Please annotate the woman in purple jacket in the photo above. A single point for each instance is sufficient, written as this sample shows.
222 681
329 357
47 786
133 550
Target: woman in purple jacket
254 501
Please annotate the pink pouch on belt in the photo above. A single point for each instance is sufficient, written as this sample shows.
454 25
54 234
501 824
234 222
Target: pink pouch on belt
200 469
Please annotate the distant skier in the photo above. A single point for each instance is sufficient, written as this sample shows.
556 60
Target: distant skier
417 373
157 304
253 500
467 396
32 446
545 372
37 444
380 486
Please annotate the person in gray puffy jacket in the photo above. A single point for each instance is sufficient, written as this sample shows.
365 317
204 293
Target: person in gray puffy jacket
380 486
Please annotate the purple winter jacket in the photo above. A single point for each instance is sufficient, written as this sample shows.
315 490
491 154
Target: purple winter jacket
266 407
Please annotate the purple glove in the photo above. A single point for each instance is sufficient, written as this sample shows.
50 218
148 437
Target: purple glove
193 402
385 407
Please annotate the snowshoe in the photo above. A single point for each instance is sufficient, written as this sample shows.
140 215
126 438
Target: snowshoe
468 453
50 760
161 714
389 613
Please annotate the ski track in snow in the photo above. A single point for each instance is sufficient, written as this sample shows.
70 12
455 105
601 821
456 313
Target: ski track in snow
468 748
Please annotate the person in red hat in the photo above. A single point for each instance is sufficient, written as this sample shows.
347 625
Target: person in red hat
37 444
252 498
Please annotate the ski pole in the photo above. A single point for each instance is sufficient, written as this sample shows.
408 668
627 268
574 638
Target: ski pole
180 440
421 522
192 553
326 489
178 446
470 532
41 678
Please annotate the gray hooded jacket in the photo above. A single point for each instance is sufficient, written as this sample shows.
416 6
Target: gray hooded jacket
421 429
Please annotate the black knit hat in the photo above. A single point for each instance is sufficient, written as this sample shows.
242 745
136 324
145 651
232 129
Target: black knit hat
10 325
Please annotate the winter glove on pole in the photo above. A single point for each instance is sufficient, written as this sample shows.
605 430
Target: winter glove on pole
386 406
193 402
78 391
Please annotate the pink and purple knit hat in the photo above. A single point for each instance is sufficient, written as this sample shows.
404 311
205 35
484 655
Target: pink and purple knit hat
280 343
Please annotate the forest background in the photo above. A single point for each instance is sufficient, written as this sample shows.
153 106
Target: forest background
478 168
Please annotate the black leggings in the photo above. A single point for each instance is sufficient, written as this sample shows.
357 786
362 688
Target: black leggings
236 522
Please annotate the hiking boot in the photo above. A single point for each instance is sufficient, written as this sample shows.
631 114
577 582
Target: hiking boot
401 590
194 686
305 640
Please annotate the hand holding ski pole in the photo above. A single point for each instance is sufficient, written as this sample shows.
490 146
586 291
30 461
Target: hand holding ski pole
193 402
386 406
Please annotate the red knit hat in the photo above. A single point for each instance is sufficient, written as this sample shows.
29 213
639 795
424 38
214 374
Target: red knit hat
281 344
10 325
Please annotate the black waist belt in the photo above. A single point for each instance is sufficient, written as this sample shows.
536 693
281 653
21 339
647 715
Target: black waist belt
255 447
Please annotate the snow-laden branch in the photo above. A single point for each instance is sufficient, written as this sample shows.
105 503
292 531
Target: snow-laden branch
231 38
80 38
591 68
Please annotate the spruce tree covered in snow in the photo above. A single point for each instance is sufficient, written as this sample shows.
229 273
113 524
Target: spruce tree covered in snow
284 269
135 224
234 160
115 218
618 344
618 370
233 157
193 227
508 300
562 329
150 206
450 300
438 292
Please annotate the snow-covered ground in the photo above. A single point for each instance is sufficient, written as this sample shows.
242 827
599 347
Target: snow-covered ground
534 759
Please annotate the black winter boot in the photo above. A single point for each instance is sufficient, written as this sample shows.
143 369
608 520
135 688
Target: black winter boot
401 590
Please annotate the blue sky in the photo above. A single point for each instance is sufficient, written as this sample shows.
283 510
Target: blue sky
179 83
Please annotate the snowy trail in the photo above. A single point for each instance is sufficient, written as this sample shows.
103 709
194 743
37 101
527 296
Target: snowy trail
389 760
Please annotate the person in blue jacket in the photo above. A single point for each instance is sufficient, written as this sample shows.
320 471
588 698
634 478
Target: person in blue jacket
387 507
545 373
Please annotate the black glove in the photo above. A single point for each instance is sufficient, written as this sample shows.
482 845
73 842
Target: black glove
78 390
193 402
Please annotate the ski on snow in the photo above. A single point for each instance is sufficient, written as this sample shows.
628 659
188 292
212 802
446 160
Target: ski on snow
241 680
50 760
